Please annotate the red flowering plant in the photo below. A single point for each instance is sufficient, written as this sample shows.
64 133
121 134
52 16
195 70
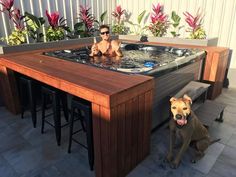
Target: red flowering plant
7 6
195 25
119 15
18 35
85 27
57 28
159 21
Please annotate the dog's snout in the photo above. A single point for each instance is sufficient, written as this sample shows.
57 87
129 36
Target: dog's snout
178 116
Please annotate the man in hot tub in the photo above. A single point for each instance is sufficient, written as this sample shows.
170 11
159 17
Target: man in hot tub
106 46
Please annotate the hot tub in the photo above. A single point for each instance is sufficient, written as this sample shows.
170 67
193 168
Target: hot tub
171 67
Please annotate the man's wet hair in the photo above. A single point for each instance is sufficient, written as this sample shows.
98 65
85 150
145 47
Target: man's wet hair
104 26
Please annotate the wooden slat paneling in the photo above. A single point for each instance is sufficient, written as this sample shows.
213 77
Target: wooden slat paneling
147 123
141 115
120 140
97 139
128 134
105 141
123 136
9 94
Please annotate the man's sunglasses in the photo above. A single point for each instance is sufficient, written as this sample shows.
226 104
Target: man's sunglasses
105 32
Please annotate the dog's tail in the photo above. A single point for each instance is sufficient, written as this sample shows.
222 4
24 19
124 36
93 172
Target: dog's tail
214 141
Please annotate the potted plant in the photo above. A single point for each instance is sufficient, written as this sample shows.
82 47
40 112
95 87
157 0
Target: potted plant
159 28
119 17
175 24
56 30
57 27
195 28
18 34
159 21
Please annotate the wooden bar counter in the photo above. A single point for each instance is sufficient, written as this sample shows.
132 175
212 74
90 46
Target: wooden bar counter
121 105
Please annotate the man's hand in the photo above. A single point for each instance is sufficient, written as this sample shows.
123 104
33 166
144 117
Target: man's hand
94 50
116 47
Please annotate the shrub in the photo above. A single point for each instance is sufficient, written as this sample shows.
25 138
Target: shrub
119 16
159 21
195 25
57 28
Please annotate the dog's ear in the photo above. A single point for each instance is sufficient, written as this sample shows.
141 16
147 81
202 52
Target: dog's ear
186 97
173 99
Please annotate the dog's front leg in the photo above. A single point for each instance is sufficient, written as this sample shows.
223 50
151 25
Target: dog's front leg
169 156
183 148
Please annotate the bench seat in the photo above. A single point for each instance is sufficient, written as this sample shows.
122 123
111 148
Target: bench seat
210 111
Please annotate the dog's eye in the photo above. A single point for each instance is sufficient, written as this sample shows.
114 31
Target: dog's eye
173 107
185 108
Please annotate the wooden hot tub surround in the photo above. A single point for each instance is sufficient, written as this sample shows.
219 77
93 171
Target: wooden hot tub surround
121 105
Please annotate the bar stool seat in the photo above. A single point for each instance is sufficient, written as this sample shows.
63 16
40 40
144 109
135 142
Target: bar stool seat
82 110
56 97
27 91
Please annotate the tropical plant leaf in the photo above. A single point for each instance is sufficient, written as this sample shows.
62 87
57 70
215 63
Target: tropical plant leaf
96 21
173 33
140 16
42 20
175 24
79 28
32 20
103 15
67 28
175 17
130 22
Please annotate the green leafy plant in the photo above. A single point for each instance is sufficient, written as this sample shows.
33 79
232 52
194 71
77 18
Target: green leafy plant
138 29
16 37
57 28
102 17
195 25
18 34
34 24
159 21
175 22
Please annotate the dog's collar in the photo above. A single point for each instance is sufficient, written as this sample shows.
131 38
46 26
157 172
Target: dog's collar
189 117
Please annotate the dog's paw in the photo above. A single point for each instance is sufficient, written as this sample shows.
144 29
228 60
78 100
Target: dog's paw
165 160
174 165
168 158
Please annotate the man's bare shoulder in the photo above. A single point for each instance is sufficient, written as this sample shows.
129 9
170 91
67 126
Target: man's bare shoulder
115 42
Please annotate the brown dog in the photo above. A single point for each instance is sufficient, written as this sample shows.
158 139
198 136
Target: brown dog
186 125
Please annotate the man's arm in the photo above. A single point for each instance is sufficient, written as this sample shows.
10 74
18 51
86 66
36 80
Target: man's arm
116 46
